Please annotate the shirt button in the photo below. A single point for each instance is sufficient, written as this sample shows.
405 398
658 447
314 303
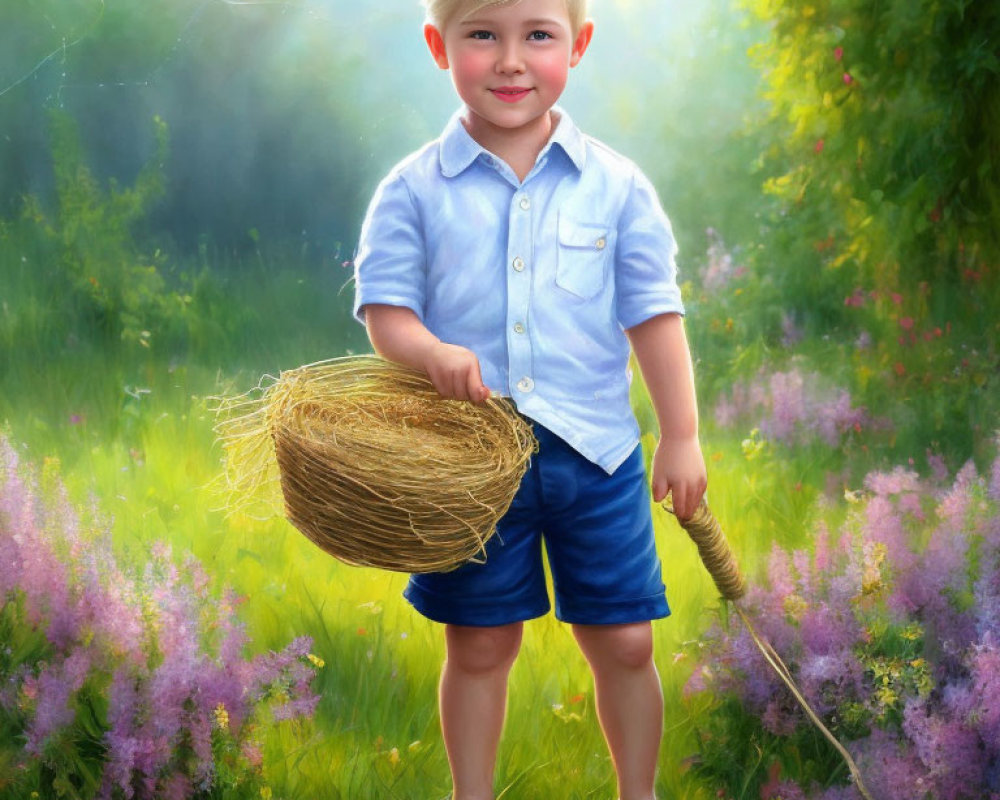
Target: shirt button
518 327
600 243
518 264
525 384
525 203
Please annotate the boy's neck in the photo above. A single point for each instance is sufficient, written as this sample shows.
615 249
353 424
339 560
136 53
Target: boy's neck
519 147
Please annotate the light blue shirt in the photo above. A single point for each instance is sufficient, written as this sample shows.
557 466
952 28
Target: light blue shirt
538 278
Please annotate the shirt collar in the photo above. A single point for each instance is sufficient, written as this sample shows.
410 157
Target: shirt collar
458 149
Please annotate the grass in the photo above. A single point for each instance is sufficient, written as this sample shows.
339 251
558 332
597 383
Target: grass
133 433
132 430
376 732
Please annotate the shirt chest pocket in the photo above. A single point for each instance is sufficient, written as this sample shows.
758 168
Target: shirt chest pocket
584 255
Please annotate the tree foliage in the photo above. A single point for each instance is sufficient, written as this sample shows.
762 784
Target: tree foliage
880 168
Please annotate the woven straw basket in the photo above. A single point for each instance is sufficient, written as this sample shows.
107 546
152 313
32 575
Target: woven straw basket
373 465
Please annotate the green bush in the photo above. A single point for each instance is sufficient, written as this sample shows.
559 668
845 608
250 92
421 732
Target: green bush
879 252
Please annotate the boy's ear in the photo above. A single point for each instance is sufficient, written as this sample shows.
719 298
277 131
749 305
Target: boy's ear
435 42
582 42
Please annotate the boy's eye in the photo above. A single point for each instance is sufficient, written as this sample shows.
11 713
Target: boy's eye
539 36
481 35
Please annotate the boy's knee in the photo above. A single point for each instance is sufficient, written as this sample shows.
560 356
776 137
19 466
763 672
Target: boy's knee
483 649
622 646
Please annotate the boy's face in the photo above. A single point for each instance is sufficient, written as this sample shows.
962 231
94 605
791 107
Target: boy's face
510 62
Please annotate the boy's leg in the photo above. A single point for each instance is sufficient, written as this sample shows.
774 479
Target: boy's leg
629 701
473 697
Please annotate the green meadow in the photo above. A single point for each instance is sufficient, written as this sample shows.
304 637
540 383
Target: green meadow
133 434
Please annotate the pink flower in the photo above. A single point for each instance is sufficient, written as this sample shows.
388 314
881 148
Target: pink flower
848 80
856 299
819 146
838 53
906 323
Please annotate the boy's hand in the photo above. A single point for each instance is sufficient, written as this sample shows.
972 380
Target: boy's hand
454 371
679 468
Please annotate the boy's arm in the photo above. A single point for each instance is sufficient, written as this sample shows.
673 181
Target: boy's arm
660 347
397 334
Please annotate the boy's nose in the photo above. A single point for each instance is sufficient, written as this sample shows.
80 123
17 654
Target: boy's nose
510 61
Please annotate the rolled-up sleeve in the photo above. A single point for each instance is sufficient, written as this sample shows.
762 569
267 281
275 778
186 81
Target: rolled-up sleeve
389 267
645 267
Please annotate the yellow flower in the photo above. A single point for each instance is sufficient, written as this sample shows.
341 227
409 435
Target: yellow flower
886 696
221 717
871 579
317 662
795 606
394 756
853 496
912 632
265 792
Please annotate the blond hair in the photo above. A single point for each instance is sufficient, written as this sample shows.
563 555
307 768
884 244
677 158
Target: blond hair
440 12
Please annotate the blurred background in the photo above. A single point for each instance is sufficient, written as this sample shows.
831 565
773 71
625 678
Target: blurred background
282 116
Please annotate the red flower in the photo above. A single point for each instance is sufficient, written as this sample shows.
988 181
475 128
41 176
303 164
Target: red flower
819 146
848 80
899 368
906 323
856 299
838 53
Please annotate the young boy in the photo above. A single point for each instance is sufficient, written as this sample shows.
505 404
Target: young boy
516 255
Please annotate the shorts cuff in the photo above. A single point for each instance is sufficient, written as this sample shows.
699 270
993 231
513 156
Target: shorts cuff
619 612
455 611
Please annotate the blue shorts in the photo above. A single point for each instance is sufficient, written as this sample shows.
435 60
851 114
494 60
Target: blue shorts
598 535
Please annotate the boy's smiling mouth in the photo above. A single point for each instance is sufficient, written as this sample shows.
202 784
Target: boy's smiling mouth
510 94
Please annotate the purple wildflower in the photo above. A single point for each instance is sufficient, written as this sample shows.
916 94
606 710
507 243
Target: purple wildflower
53 688
792 407
985 668
938 467
788 406
947 747
791 332
929 693
994 486
169 652
178 787
899 481
890 770
839 793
